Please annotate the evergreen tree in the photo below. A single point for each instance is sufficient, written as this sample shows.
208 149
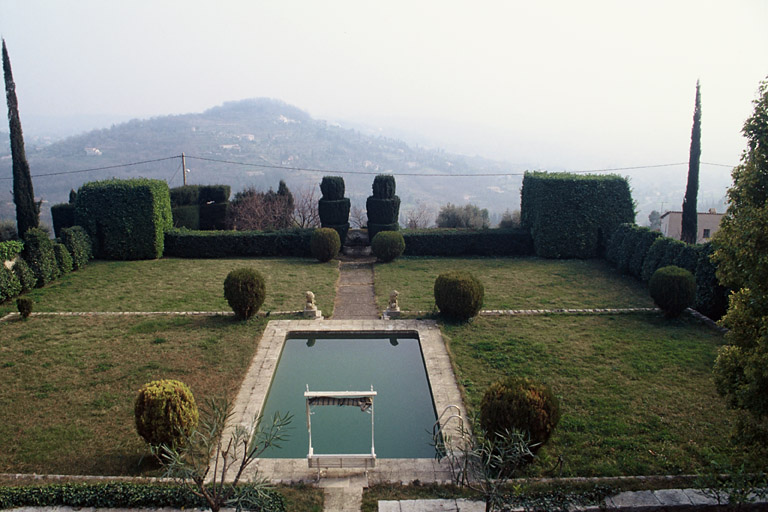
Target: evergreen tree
741 368
27 211
690 216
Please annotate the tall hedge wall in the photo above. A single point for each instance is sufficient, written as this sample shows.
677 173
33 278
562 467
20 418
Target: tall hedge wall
125 219
183 243
572 216
465 242
200 206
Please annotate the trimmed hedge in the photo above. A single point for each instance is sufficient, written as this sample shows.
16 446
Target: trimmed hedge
123 495
126 219
662 252
572 216
673 289
388 245
467 242
332 187
711 297
245 291
187 216
199 194
183 243
39 255
63 258
458 294
374 229
10 286
10 249
325 244
213 216
384 186
382 211
63 216
333 212
628 246
26 276
78 243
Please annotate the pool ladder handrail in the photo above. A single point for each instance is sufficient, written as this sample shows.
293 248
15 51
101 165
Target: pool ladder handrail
437 428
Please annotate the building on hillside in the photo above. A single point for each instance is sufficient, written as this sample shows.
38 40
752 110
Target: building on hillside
707 225
92 151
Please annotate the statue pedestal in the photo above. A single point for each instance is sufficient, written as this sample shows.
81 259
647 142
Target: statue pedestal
313 314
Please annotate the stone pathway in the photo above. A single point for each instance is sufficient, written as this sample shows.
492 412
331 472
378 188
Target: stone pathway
355 298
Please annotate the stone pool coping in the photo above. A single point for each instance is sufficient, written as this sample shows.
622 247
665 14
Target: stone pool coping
253 394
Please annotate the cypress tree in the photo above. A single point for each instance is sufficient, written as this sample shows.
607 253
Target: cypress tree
27 211
690 216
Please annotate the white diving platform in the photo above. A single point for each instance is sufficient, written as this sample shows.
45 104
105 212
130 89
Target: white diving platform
361 399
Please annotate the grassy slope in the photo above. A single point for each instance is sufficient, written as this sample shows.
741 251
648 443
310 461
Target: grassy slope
172 284
68 384
516 283
636 391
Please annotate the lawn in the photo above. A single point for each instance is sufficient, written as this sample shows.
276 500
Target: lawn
173 284
513 283
636 391
68 384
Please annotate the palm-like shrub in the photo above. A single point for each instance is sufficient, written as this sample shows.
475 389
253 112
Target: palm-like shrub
245 291
458 294
673 289
520 404
325 244
165 412
388 245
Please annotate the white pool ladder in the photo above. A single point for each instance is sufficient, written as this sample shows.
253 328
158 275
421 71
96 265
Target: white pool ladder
437 428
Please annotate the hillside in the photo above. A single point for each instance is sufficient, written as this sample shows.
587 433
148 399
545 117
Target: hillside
266 132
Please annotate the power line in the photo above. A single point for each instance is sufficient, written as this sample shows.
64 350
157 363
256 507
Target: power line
309 169
116 166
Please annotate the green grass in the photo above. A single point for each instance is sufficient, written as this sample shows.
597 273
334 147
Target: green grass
636 391
172 284
68 384
513 283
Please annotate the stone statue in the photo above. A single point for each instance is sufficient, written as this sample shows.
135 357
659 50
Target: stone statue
310 306
393 306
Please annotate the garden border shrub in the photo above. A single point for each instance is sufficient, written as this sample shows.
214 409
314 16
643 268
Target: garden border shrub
39 255
388 245
183 243
10 286
63 258
120 495
79 245
467 242
573 216
10 249
126 219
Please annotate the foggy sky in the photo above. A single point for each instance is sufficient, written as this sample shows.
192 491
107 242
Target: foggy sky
564 84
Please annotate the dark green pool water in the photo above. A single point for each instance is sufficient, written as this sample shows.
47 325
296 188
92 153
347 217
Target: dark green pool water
404 410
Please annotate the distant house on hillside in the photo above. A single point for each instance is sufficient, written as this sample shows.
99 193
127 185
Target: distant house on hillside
92 151
707 224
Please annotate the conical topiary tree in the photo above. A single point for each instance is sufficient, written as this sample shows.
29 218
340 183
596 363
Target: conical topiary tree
383 206
333 207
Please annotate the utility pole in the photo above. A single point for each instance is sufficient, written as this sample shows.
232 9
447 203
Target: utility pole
184 168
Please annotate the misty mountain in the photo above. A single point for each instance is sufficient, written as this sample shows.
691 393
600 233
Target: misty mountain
245 143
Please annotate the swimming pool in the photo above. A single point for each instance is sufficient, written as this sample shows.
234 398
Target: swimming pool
390 362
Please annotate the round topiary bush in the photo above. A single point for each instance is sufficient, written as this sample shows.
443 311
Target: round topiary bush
458 294
672 289
332 187
245 291
388 245
325 244
519 403
165 412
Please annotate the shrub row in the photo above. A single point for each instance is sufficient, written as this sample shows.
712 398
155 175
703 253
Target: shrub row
42 261
465 242
10 249
126 219
183 243
572 216
639 252
121 495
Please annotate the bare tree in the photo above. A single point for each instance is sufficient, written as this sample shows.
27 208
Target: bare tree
418 217
252 209
305 214
358 218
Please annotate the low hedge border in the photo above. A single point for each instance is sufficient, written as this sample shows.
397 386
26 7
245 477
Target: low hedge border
464 242
118 495
184 243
